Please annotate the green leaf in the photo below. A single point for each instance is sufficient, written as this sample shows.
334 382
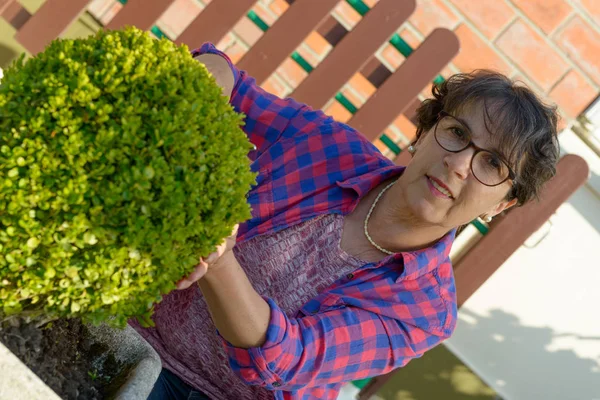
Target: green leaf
126 166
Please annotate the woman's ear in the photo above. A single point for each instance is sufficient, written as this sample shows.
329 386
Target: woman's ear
502 206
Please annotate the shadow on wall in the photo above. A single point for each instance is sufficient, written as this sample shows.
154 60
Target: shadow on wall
440 375
558 371
6 55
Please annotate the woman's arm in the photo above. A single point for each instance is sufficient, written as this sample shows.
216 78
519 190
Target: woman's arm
332 343
220 69
337 344
240 314
267 115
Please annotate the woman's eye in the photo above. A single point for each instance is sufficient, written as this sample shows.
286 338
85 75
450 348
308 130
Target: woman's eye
494 162
458 132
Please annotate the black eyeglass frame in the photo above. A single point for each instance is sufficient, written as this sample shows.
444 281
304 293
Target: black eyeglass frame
511 173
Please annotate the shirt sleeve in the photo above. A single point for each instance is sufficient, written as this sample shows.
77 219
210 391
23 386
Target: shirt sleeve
267 116
338 345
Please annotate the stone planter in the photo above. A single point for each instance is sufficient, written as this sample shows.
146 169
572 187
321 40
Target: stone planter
142 367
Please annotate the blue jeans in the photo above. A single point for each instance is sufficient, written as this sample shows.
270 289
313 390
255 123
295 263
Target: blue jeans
169 386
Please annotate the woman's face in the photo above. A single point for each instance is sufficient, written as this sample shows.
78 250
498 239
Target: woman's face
439 186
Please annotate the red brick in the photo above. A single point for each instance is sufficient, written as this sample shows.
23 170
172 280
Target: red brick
532 54
408 129
476 54
178 16
393 135
98 7
291 72
226 41
582 44
371 3
308 55
573 93
563 122
361 85
522 80
592 7
318 44
382 147
279 6
446 72
236 52
490 16
346 15
431 14
262 11
410 38
338 112
275 86
246 30
355 100
547 14
110 13
391 56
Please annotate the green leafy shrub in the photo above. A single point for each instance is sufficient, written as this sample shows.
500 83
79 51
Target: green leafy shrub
121 164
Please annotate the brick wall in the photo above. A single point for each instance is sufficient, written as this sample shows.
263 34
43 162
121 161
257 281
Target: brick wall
551 45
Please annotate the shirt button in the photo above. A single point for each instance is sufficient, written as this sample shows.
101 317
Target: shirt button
350 276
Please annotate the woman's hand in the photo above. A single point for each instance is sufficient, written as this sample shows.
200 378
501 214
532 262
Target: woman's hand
210 262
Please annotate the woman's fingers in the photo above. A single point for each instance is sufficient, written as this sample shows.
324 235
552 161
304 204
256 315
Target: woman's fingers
202 268
194 277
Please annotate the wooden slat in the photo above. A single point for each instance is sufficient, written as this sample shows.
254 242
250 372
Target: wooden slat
332 31
411 110
509 232
403 158
375 72
353 51
284 36
4 4
506 235
399 90
48 23
14 13
214 22
140 13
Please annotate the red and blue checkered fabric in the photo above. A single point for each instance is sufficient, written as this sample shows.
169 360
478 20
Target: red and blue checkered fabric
367 324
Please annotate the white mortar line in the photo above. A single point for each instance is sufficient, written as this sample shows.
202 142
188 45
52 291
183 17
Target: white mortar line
553 45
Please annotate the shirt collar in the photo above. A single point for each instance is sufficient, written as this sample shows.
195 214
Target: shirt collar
417 262
363 184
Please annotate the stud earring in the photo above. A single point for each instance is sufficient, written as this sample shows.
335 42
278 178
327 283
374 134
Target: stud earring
487 218
411 149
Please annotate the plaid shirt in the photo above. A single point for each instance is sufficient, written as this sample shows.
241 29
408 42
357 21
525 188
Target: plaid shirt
368 323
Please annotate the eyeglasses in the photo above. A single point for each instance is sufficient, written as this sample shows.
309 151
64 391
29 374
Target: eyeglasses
487 167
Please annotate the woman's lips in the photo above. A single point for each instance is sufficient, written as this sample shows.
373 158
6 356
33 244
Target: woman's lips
438 188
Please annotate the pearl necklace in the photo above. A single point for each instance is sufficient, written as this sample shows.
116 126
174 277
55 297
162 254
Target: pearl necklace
369 215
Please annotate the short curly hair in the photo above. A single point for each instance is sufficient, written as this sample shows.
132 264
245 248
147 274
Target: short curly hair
524 127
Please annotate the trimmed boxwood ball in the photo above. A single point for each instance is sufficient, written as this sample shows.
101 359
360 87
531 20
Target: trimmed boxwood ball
121 163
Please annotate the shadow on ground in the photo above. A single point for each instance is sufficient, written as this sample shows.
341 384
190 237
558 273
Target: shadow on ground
441 375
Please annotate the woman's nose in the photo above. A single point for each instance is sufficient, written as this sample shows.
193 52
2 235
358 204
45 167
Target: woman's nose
459 163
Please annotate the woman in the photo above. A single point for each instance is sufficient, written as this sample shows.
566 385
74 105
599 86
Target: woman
343 272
